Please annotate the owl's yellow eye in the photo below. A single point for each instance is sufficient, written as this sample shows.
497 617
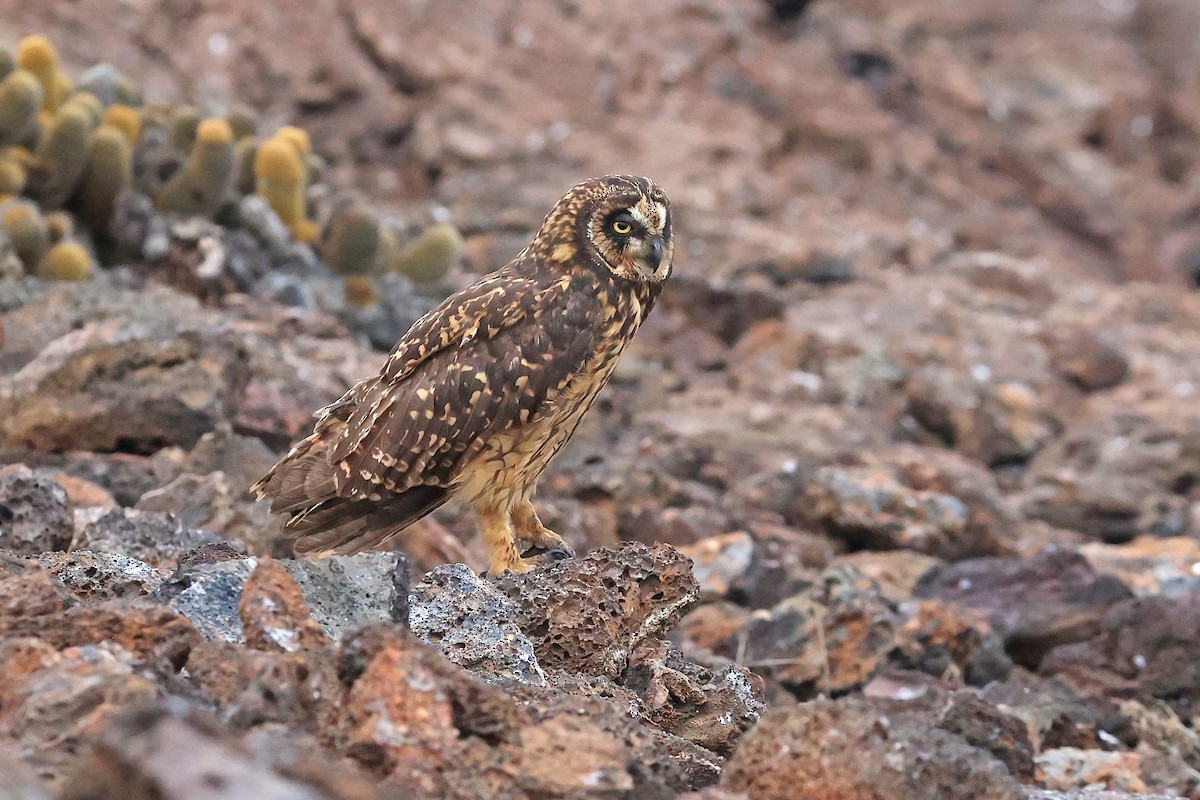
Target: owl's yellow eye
621 223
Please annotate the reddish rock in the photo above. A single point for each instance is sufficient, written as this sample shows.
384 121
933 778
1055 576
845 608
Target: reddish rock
82 493
34 604
396 683
171 752
52 713
719 561
945 639
253 687
588 615
803 751
830 638
274 615
711 710
589 746
713 627
1071 768
896 571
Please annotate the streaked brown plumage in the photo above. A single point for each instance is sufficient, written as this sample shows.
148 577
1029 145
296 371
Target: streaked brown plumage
486 388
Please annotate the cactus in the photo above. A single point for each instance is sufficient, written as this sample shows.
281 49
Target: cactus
87 102
199 187
183 123
20 101
280 179
7 65
27 229
244 154
38 56
242 123
360 290
108 171
125 119
63 154
296 137
60 225
12 173
66 261
351 240
428 257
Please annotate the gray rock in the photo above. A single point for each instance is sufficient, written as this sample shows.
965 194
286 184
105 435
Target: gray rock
151 536
379 583
35 515
342 592
209 594
472 624
95 577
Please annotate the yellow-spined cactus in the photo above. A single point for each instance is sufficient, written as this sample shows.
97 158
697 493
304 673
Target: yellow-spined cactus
26 227
427 258
242 123
351 240
108 171
200 186
183 123
12 174
20 102
280 180
125 119
360 290
296 137
7 65
37 55
66 261
63 154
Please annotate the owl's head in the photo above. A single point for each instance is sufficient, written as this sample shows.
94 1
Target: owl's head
620 222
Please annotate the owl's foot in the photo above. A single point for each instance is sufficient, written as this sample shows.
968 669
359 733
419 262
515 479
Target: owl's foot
506 564
532 534
497 533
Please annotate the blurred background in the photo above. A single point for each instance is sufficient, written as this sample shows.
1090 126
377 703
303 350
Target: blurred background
920 401
885 134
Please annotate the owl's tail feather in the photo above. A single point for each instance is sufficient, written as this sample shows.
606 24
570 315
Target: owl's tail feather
339 526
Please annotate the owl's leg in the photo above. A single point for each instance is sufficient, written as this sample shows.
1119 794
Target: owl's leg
497 533
529 529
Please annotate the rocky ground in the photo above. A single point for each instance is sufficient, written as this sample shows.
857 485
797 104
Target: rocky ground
920 407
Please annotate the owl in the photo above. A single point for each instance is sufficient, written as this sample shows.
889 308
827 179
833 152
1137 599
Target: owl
484 390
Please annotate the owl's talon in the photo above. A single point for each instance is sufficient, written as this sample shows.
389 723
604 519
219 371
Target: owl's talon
558 554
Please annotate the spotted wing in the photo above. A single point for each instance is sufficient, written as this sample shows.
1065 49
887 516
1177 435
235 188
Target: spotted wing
485 361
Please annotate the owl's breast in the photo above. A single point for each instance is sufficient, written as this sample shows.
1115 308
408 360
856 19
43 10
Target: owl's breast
511 462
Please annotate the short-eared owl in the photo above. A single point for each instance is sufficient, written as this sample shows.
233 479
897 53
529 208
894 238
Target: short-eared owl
482 392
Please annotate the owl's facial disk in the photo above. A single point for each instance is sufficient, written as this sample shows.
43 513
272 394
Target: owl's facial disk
632 235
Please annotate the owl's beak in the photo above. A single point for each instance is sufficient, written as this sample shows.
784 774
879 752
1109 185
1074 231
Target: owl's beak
654 253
